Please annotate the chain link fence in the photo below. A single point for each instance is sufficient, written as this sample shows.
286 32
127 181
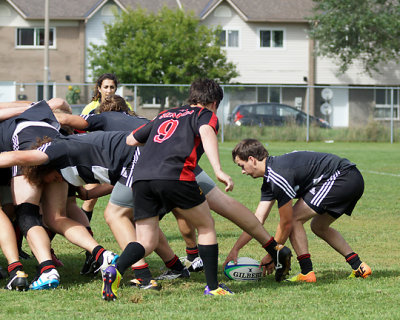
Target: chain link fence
343 107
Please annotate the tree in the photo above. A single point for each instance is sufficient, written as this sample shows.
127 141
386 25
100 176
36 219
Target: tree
363 30
169 47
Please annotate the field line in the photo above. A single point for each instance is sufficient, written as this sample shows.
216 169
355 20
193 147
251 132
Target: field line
382 173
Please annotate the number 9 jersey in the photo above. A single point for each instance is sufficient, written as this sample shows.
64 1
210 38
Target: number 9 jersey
172 144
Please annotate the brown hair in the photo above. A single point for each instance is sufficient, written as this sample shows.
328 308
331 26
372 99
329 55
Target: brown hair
204 92
36 174
96 92
249 147
114 103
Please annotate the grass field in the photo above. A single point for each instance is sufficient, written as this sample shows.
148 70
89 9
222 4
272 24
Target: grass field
373 231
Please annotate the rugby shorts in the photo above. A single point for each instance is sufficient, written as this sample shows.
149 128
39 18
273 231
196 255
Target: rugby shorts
338 194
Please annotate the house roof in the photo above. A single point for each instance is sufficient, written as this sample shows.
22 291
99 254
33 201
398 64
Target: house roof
267 10
249 10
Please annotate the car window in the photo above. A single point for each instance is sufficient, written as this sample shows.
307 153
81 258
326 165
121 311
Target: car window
286 112
264 109
246 109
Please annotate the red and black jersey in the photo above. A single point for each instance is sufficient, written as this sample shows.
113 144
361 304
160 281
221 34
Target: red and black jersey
172 144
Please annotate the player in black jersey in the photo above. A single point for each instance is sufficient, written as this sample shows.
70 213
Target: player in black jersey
326 186
167 181
54 216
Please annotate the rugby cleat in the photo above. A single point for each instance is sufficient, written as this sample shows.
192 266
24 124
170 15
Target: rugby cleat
109 258
282 262
90 265
145 285
222 290
19 282
111 281
193 266
47 280
363 271
174 274
309 277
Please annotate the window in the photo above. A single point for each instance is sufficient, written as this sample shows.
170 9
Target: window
266 94
34 37
229 38
40 92
271 38
383 104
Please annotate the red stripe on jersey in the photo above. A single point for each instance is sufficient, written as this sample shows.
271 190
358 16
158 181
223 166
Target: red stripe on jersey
213 122
190 163
137 129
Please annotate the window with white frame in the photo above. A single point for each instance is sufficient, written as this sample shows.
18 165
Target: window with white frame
271 38
229 38
383 103
34 37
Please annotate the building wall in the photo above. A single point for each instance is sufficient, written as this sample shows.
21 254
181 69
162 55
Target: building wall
287 65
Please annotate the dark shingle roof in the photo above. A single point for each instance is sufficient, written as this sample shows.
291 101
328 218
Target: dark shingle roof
251 10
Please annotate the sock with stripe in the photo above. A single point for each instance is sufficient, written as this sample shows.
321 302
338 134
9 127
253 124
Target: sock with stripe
192 253
174 264
142 273
270 247
305 263
46 266
98 254
14 267
353 260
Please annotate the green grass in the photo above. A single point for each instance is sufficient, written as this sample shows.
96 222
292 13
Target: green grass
372 231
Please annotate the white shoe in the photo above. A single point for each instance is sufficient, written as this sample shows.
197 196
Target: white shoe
193 266
47 280
109 258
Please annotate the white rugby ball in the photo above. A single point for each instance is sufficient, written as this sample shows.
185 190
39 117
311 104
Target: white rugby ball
246 269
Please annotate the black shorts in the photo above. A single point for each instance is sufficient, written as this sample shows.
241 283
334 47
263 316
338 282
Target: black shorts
5 176
155 197
338 194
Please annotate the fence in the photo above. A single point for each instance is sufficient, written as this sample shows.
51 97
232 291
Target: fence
341 106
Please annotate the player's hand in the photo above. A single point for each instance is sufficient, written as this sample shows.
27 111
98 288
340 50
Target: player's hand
225 179
233 255
267 265
82 193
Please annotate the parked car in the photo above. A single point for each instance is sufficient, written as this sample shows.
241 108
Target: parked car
271 114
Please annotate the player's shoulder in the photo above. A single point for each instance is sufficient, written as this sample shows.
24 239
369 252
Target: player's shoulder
90 107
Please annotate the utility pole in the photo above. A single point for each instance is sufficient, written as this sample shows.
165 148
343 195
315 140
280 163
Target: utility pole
46 51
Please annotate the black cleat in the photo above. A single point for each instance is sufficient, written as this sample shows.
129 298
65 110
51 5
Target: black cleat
282 262
90 265
19 282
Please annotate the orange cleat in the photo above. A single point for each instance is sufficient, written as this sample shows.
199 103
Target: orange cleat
363 271
309 277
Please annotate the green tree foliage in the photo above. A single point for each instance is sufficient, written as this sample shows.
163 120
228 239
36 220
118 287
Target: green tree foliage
168 47
363 30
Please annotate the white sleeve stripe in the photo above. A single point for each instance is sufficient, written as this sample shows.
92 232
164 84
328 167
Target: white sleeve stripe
85 116
281 182
326 187
44 147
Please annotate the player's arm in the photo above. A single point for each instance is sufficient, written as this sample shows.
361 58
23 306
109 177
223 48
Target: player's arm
71 120
22 158
262 213
97 192
8 113
285 222
210 145
15 104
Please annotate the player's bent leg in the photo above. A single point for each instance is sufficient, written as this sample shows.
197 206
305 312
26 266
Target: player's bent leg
237 213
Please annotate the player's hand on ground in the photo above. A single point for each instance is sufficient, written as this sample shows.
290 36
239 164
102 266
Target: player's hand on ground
225 179
267 265
233 255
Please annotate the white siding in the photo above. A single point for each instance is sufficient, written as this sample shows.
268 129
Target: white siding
95 32
327 73
257 65
7 91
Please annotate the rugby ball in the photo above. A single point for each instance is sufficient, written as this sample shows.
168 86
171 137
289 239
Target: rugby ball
246 269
